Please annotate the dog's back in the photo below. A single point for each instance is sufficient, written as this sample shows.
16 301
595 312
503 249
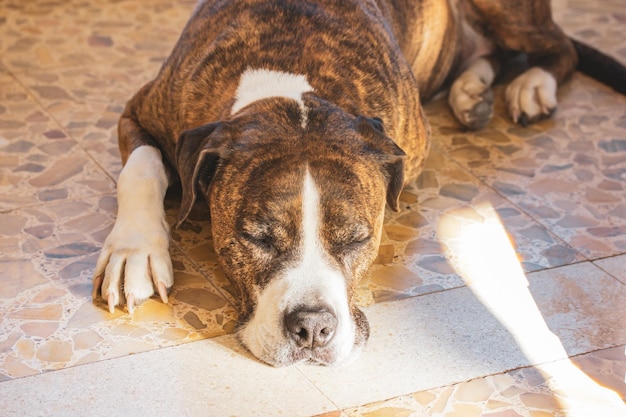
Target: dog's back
346 50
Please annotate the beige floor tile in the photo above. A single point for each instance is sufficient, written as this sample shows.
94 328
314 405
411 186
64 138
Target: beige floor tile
465 333
415 256
564 172
40 161
48 318
527 392
87 102
49 34
615 266
206 378
554 190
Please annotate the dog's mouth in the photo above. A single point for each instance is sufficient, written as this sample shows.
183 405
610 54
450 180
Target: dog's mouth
287 349
310 325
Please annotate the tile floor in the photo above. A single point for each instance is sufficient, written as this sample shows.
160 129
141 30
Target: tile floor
499 290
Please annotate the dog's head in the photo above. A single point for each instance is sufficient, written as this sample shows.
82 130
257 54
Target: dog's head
297 193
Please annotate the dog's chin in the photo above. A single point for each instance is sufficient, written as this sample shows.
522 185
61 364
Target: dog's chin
270 343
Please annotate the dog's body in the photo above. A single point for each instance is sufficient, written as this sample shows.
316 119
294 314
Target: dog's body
281 114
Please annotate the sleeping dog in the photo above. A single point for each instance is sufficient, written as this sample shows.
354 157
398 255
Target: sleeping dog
299 121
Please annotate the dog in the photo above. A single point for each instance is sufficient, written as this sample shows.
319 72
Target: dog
299 121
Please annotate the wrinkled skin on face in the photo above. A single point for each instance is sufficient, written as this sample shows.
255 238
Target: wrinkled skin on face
297 201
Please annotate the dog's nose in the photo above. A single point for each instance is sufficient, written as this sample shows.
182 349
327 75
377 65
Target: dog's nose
311 328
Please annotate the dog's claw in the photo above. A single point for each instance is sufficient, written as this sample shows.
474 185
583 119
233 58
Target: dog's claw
112 302
162 292
130 303
524 120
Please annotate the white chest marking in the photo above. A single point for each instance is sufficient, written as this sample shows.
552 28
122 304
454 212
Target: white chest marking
257 84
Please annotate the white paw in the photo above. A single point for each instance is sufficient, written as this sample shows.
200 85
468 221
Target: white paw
135 258
471 98
134 261
531 96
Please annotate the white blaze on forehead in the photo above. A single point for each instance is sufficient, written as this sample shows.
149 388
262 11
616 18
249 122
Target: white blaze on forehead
312 282
311 245
257 84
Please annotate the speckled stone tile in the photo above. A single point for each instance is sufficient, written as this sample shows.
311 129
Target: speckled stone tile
87 101
615 266
39 160
600 24
458 335
194 238
413 257
566 172
205 378
85 60
48 34
67 69
526 392
47 317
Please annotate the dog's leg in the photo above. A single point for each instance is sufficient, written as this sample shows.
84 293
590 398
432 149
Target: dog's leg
528 27
471 96
135 257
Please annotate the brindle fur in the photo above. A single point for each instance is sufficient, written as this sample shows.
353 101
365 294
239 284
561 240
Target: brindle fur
368 63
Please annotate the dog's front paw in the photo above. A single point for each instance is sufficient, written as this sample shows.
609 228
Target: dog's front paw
531 96
134 261
471 100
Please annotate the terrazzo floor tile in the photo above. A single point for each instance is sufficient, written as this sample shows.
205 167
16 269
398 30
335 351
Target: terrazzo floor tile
599 24
552 193
455 336
218 377
566 172
526 392
614 266
47 317
51 34
206 378
87 102
412 258
39 161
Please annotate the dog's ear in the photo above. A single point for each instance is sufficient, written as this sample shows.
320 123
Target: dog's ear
389 155
198 152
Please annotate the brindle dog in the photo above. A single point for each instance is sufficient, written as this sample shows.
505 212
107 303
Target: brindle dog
297 121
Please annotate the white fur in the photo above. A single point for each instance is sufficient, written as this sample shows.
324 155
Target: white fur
257 84
533 93
140 232
311 282
467 90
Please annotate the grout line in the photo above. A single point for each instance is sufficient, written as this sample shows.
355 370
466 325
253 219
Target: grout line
53 202
58 123
512 203
224 294
609 273
491 375
337 407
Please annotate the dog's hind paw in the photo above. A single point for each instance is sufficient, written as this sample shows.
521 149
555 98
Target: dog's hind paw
471 98
531 96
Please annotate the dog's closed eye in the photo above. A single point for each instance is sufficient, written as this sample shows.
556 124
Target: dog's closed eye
262 241
350 238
